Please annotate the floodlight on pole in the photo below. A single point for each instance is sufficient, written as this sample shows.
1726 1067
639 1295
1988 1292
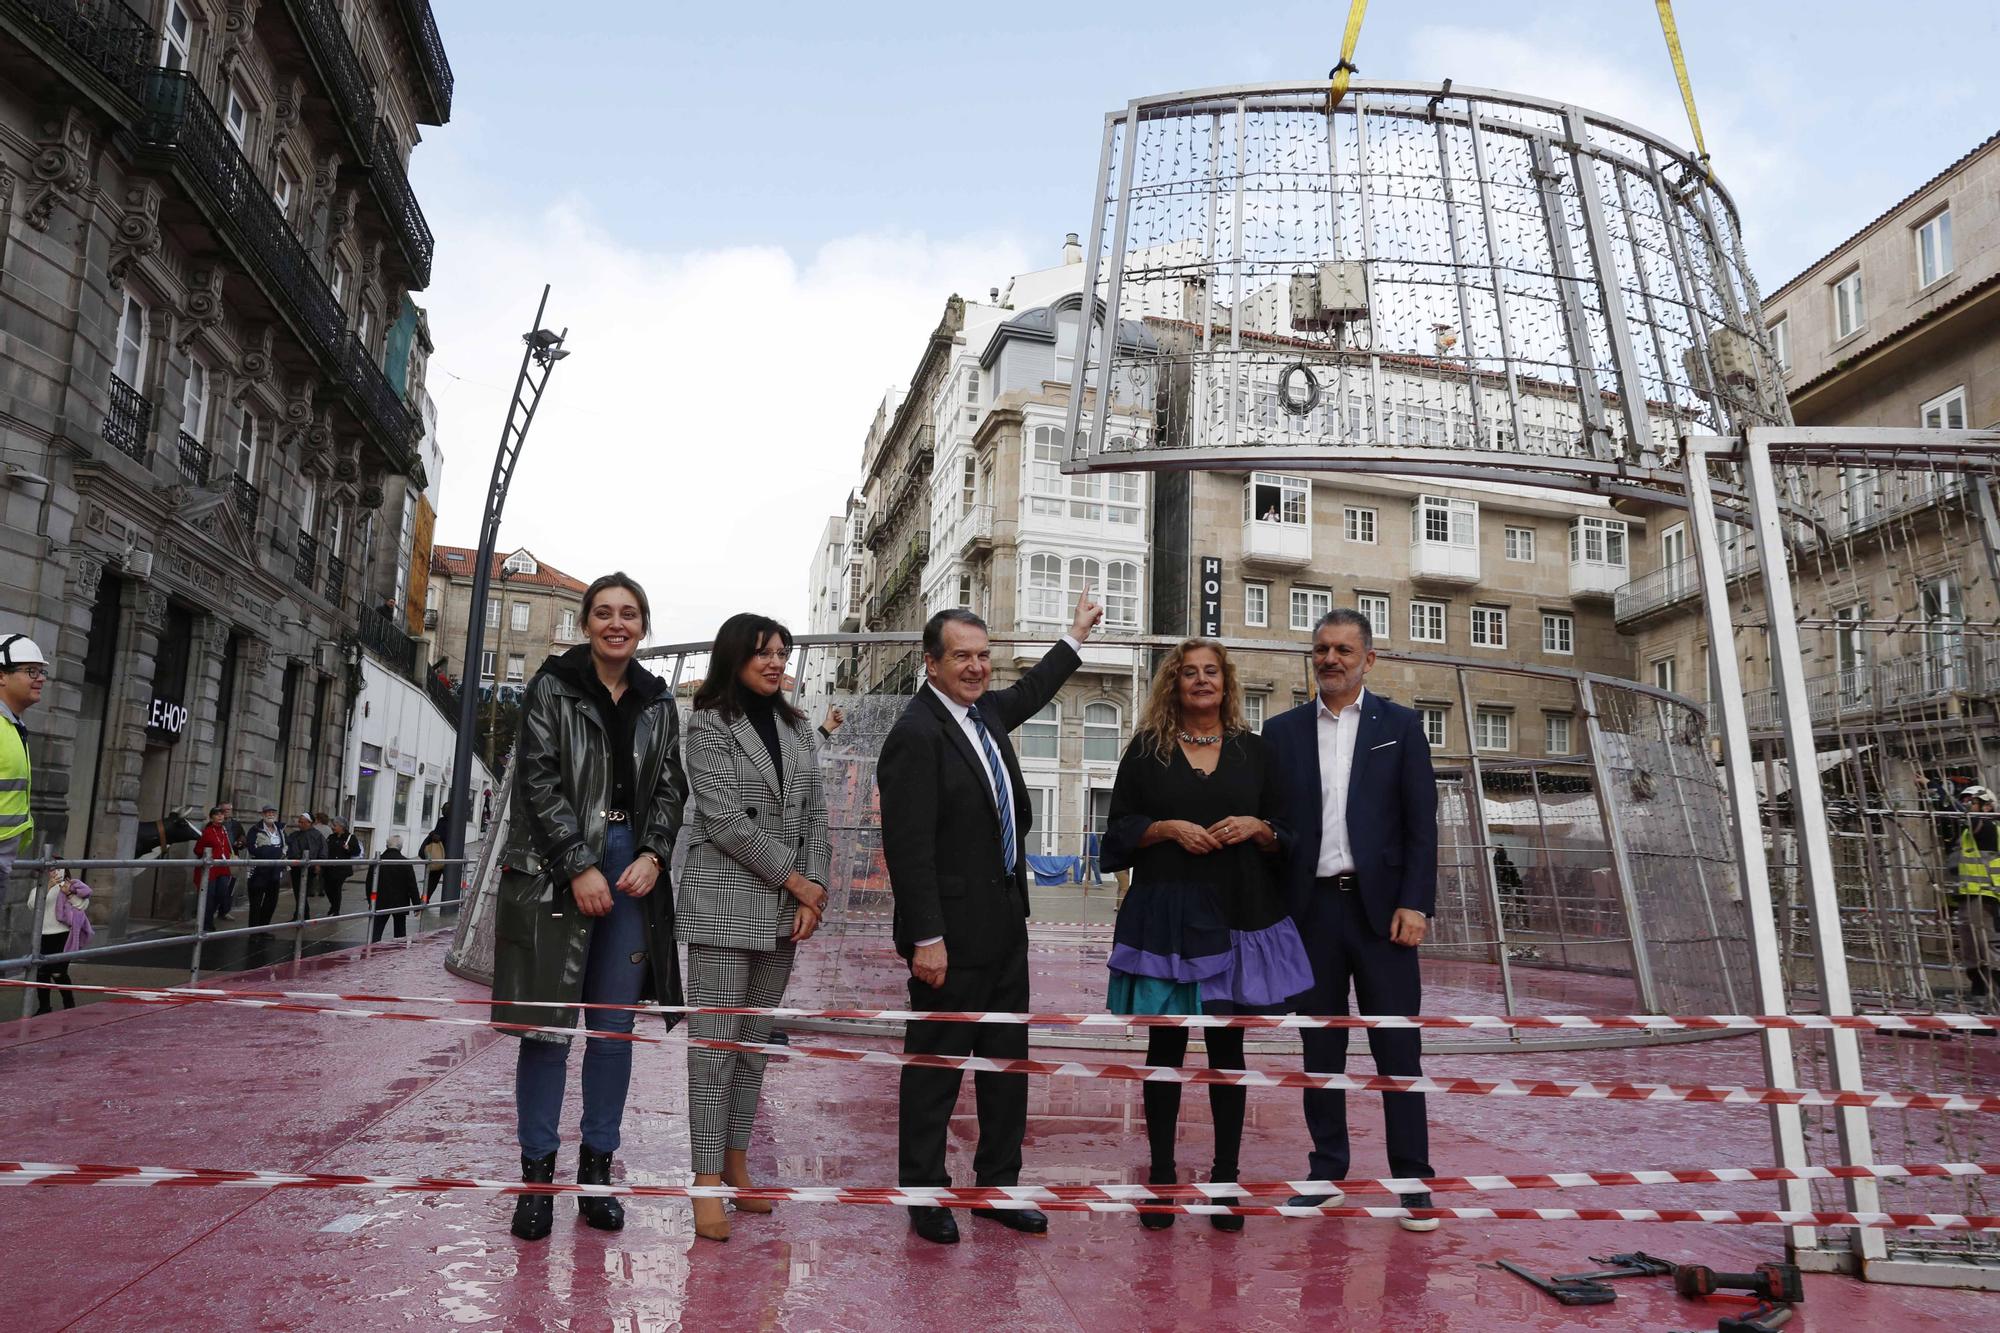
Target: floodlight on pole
543 350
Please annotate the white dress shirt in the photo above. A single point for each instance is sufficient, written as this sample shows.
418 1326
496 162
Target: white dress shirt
1336 762
962 715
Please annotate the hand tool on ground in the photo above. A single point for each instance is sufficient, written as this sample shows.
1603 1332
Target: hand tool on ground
1636 1264
1764 1319
1567 1291
1767 1282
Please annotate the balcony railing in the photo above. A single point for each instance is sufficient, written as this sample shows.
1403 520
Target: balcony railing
1869 501
128 421
194 460
336 580
333 55
382 636
972 531
1675 582
244 496
1272 541
429 47
399 203
306 560
1942 668
179 120
378 404
103 36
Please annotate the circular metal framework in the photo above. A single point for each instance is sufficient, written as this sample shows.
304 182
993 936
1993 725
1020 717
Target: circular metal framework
1478 283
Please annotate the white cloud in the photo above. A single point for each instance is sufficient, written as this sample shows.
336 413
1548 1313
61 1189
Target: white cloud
712 412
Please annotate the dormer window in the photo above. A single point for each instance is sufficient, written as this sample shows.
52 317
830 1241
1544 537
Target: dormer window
521 563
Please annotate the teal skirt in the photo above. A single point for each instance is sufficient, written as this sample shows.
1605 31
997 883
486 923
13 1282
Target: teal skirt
1132 994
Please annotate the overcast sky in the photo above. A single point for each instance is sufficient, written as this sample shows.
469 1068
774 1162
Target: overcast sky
753 213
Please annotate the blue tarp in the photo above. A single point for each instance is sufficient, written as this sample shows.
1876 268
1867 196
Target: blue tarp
1052 870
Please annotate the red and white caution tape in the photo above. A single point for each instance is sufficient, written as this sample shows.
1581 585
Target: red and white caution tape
1927 1023
1052 1198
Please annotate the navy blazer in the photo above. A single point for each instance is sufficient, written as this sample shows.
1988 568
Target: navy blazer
1391 808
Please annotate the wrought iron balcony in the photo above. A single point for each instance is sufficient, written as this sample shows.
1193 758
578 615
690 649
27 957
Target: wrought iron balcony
306 559
379 406
429 47
399 204
247 501
336 580
382 636
128 421
181 124
340 69
194 460
102 36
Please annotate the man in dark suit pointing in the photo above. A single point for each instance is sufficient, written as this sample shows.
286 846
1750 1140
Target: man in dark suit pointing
1362 879
955 820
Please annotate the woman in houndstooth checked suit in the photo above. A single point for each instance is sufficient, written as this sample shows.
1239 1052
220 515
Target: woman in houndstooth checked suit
753 889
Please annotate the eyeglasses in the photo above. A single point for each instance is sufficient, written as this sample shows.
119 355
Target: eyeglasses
34 672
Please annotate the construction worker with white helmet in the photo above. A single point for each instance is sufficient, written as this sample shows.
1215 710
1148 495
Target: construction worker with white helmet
1978 888
23 670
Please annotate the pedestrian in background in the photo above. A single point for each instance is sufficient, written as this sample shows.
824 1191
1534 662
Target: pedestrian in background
304 845
433 853
23 670
342 846
65 929
266 846
753 889
395 890
218 846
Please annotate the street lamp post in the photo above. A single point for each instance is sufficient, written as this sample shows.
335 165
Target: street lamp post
538 362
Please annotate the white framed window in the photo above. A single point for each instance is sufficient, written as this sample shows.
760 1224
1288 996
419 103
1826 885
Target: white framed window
1426 622
1556 734
236 114
1934 249
336 528
1598 541
972 384
1492 729
308 502
1443 521
1664 673
965 591
1433 725
1121 494
1042 830
1100 733
1083 572
194 401
336 280
1944 412
566 624
1272 497
1257 605
1308 605
492 614
1489 627
1520 544
517 619
1037 737
1559 633
246 446
486 660
282 189
1086 489
133 326
1781 342
968 484
176 38
1849 312
1358 524
1253 710
517 668
364 327
1374 605
1045 480
520 563
1121 595
1045 587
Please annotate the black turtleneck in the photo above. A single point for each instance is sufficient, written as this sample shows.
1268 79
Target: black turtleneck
761 710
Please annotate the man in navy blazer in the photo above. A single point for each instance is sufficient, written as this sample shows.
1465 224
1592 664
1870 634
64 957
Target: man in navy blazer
1361 876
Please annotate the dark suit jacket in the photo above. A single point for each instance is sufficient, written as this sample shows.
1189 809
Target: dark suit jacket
940 830
1391 808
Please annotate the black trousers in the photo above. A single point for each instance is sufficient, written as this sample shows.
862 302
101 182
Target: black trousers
263 896
334 882
928 1095
55 971
1347 953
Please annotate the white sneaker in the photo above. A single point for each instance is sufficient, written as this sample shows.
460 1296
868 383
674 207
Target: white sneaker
1417 1223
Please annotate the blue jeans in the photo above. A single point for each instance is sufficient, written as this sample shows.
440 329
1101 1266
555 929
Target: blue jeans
620 946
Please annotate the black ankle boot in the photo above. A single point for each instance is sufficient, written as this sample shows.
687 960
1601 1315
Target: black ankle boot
1225 1221
594 1168
1159 1221
535 1214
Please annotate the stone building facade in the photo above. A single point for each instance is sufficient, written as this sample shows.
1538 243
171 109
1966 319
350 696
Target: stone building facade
207 241
533 609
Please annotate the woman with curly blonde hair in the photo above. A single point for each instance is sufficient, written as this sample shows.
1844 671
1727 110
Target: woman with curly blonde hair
1195 813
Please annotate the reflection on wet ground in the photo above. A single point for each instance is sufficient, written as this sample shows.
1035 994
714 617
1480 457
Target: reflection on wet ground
210 1086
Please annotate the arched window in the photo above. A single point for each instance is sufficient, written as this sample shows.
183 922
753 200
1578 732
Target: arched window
1037 737
1100 732
1045 587
1121 594
1085 573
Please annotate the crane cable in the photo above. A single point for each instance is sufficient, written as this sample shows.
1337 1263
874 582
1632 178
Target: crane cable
1673 36
1345 70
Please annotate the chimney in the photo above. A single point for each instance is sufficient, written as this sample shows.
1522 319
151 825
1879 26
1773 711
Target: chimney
1072 249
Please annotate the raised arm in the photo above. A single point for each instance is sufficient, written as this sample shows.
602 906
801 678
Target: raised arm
1032 692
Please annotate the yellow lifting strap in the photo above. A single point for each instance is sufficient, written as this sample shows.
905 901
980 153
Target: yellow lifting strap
1345 69
1673 35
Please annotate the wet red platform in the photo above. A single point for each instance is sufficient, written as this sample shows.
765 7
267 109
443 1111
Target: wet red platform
211 1086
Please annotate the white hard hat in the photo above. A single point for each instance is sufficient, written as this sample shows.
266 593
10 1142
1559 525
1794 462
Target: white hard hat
1976 794
18 650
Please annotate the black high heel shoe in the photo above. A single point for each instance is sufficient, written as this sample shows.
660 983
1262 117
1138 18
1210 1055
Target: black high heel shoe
1159 1221
606 1214
535 1214
1225 1221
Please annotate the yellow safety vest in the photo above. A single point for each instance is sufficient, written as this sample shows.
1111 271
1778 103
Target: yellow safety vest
1978 873
15 773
